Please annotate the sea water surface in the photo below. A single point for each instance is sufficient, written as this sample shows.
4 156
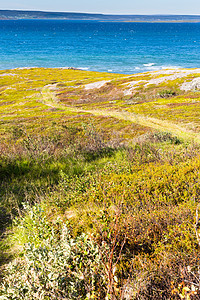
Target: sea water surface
120 47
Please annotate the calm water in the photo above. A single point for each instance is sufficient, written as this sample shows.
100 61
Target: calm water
99 46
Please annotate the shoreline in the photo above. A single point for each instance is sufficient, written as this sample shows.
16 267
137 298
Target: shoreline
157 77
161 70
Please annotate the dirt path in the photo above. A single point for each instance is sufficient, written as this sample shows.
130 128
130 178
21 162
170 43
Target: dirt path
49 98
161 125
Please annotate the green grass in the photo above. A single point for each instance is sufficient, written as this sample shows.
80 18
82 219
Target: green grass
120 172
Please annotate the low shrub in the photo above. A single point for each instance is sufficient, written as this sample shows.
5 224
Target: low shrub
166 93
54 265
143 153
159 137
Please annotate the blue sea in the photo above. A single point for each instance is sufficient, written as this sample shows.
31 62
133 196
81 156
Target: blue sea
118 47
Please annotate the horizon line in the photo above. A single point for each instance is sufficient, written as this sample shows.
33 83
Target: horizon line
100 13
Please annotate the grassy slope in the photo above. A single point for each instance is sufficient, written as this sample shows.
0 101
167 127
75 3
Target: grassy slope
38 95
86 154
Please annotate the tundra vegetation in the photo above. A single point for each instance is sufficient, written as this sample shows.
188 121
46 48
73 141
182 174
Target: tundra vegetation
99 185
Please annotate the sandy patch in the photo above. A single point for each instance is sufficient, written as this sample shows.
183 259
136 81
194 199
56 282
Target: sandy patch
132 86
177 74
170 75
96 85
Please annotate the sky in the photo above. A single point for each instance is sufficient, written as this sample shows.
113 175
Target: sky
107 6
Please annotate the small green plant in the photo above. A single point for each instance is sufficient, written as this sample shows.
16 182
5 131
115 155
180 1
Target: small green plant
143 153
166 93
165 137
60 267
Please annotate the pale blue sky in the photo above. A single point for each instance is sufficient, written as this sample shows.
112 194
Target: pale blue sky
108 6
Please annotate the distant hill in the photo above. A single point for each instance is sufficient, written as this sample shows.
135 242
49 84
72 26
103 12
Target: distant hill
19 14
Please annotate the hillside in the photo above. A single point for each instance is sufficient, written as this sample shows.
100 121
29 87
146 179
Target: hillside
22 14
99 177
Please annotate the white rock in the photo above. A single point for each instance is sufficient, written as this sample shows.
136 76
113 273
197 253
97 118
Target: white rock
191 85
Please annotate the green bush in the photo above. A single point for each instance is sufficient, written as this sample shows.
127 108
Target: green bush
61 267
166 93
165 137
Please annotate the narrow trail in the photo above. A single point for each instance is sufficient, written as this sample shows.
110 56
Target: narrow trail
161 125
49 98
